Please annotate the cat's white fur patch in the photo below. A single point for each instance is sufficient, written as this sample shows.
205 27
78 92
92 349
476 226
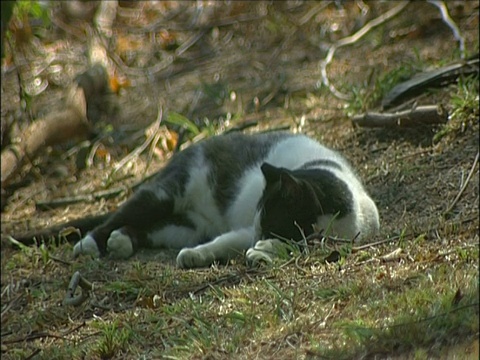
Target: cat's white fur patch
119 245
174 237
86 246
198 202
244 207
294 151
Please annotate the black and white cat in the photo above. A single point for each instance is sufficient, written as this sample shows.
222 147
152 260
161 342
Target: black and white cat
236 192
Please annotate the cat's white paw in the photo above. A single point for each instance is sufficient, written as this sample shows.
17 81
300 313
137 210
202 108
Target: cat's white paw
189 258
264 251
86 246
119 245
256 257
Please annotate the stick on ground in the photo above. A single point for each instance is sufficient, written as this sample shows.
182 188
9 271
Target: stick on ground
422 115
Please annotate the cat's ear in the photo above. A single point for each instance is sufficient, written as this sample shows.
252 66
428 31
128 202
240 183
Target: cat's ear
271 173
289 186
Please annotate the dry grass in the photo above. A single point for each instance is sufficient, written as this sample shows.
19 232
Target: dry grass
415 297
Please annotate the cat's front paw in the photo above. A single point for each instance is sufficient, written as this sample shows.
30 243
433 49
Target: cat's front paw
119 245
189 258
86 246
257 257
263 252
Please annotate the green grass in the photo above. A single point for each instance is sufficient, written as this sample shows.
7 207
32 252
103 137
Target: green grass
366 97
113 339
298 306
331 311
425 314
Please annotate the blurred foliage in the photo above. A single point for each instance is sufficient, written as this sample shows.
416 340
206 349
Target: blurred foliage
33 10
28 18
183 122
7 9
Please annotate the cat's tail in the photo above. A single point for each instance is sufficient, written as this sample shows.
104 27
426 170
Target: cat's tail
71 231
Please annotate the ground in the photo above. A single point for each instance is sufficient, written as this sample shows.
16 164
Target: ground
221 66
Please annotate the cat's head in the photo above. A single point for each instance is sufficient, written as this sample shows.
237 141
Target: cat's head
287 204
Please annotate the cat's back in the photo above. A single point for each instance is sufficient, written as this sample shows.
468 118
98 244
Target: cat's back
241 149
227 157
230 156
293 151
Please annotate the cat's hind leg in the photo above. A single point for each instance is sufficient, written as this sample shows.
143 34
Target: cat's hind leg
141 212
173 232
86 246
120 245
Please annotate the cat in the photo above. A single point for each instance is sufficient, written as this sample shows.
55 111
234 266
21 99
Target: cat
231 193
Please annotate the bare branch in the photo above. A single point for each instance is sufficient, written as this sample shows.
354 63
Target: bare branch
349 40
57 127
141 148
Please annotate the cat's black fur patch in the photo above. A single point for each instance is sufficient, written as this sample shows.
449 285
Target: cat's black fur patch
174 177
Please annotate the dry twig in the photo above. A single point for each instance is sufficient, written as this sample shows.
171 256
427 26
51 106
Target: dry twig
33 354
57 127
9 306
369 245
451 24
391 256
55 203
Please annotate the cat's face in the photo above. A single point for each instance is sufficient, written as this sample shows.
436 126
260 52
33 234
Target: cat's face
287 204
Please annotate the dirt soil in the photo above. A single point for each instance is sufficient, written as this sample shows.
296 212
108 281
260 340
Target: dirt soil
226 65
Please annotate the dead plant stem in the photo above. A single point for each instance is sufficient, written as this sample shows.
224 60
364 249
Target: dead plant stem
470 174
